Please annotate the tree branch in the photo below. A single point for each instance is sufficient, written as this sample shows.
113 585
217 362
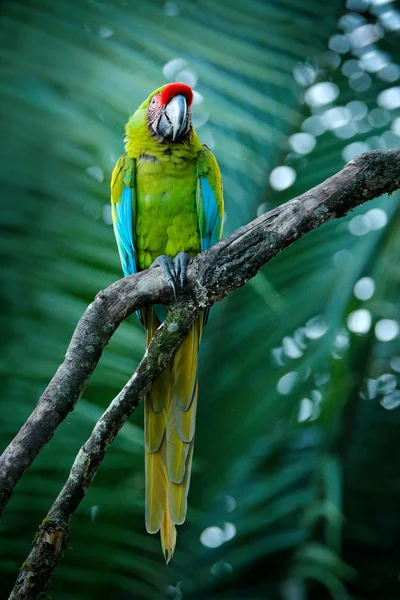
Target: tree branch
211 276
36 572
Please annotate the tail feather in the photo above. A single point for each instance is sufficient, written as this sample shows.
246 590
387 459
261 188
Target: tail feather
184 371
168 535
160 394
170 413
177 452
156 489
177 493
154 428
185 421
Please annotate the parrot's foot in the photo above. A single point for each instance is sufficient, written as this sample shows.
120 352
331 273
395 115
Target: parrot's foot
174 270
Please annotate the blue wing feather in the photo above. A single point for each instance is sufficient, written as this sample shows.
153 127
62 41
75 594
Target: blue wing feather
211 233
123 228
209 203
123 200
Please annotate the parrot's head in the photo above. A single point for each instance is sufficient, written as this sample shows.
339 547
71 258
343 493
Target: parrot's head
168 112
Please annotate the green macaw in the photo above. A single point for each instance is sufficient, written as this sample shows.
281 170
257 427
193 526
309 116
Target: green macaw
167 205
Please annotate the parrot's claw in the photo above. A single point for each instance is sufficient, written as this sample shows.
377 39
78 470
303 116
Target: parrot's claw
174 270
168 270
181 261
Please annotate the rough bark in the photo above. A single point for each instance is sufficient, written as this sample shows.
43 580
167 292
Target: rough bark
52 536
211 276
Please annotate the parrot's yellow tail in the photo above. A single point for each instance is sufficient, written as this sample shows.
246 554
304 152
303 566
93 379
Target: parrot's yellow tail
169 425
168 535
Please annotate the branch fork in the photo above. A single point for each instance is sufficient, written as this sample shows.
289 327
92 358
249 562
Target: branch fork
211 276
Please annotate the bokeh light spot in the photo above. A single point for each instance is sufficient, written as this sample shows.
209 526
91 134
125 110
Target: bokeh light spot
197 98
379 117
304 75
390 73
386 330
350 67
221 568
314 126
396 126
360 82
390 19
306 409
321 93
359 5
212 537
364 288
376 218
373 61
107 216
187 76
229 531
391 401
350 21
336 117
359 321
354 149
365 35
386 383
282 177
395 363
345 131
389 98
358 109
230 503
287 382
339 43
302 143
172 67
96 172
290 348
358 226
341 257
316 327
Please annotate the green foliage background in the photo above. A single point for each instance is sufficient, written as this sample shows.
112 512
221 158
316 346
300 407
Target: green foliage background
308 507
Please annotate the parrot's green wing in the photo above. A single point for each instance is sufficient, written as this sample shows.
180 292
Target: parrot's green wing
209 202
123 210
123 207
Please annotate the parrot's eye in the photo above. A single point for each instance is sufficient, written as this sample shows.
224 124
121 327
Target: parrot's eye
153 101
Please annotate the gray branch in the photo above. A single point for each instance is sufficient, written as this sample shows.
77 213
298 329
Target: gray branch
212 275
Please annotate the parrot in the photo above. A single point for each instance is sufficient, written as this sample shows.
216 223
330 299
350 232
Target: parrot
167 206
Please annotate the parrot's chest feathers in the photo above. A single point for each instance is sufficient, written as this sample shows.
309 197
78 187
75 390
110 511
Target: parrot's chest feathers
147 158
166 219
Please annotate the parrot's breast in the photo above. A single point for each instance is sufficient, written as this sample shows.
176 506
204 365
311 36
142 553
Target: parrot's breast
166 217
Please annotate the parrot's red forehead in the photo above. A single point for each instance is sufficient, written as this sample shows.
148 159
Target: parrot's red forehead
173 89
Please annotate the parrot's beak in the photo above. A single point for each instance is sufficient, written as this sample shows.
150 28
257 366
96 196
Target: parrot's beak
173 121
